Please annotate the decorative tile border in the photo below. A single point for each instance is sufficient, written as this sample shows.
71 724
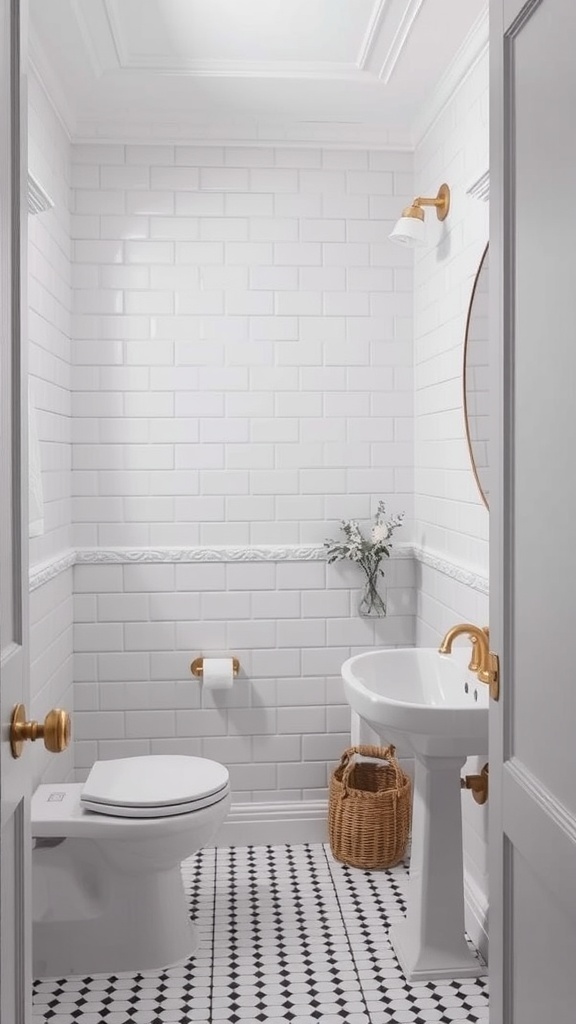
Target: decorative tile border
467 577
46 571
39 575
247 553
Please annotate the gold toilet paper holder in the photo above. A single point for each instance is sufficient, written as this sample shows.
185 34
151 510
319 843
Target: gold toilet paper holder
197 667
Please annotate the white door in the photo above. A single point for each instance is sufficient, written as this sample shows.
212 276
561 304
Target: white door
533 515
15 920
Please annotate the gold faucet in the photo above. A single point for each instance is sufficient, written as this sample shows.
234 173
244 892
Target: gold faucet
483 661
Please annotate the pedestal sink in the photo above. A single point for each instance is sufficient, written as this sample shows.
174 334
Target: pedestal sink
431 703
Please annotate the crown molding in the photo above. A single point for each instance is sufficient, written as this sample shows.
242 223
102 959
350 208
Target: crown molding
372 32
400 39
301 135
40 67
215 68
473 49
277 69
90 33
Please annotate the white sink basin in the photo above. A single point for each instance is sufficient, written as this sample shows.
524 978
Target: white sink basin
416 695
435 705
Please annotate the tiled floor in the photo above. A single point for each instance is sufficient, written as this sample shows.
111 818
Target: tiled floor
288 934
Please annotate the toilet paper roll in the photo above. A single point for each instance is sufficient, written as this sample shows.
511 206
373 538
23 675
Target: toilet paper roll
218 673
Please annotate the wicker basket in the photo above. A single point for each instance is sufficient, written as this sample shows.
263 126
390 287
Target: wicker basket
369 809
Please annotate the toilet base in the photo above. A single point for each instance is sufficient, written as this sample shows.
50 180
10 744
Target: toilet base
89 921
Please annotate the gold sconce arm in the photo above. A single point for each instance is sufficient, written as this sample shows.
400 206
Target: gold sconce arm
441 201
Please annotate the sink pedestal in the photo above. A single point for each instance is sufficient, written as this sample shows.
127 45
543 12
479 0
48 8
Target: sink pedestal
430 942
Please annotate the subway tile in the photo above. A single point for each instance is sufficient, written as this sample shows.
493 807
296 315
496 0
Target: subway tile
276 748
252 721
301 720
201 723
150 154
150 724
243 576
149 636
224 179
125 177
125 227
178 228
225 606
324 747
150 203
276 605
274 180
297 254
200 204
199 156
149 252
90 725
98 637
249 204
181 179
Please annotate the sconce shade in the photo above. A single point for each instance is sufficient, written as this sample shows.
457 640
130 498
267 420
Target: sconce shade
408 231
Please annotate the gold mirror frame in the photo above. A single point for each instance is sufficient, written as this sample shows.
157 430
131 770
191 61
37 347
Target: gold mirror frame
464 395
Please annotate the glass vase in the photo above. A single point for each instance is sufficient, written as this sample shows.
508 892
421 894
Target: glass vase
372 603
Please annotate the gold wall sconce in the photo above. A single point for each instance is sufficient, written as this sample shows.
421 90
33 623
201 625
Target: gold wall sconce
409 229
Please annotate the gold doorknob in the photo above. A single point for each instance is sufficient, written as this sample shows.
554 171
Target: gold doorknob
55 730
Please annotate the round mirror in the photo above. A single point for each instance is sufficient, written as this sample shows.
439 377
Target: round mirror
476 395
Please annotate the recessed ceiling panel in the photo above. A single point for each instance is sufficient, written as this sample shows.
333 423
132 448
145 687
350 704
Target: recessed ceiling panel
270 68
173 32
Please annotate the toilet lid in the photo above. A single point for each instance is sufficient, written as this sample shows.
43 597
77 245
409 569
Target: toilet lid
154 785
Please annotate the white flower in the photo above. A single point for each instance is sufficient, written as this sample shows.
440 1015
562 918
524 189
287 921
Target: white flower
380 533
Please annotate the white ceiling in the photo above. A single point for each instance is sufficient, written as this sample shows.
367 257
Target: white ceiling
293 69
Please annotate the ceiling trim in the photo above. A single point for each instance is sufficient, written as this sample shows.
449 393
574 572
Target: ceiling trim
303 135
327 70
116 32
371 35
473 49
216 68
400 39
49 82
78 10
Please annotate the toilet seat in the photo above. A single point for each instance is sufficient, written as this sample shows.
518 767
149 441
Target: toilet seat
154 786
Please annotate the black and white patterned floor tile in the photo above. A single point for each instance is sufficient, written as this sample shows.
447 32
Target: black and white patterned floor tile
287 935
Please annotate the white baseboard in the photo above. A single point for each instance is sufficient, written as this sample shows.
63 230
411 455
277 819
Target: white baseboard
476 913
266 824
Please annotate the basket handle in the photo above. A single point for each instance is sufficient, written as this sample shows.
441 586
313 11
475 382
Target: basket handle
347 761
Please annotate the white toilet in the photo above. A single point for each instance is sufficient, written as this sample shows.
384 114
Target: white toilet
108 892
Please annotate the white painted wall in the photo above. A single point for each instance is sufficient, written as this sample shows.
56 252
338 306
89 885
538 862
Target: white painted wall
450 518
49 318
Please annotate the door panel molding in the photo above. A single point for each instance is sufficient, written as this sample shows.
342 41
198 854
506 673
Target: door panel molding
541 828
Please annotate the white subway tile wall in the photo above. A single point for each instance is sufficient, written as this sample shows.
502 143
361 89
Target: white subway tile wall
449 515
240 323
243 363
284 722
49 360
